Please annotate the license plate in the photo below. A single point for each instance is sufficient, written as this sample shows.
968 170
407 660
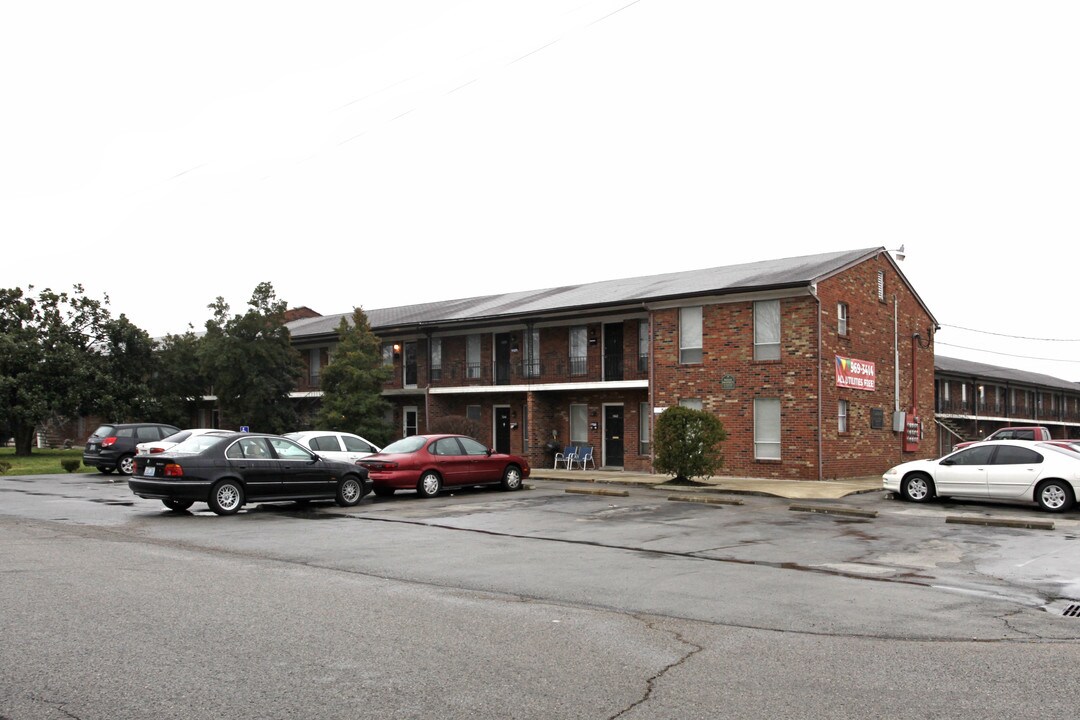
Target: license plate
92 447
149 471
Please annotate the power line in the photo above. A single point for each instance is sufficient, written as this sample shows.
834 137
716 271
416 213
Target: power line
1015 337
994 352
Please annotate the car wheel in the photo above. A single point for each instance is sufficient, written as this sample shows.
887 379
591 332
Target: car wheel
384 492
1055 496
226 497
350 491
126 464
178 505
429 485
917 488
511 479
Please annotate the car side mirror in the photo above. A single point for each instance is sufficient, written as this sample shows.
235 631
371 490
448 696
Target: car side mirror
948 462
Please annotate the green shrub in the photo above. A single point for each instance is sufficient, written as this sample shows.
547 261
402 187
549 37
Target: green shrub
4 467
71 464
688 443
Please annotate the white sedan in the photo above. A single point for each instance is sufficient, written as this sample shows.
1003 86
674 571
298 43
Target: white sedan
1018 470
334 445
156 446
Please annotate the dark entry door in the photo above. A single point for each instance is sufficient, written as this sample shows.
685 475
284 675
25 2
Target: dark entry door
502 429
613 351
502 359
613 435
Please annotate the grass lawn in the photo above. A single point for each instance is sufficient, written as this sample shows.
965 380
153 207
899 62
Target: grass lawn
41 462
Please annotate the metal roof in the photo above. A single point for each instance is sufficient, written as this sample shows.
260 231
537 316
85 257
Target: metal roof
762 275
970 369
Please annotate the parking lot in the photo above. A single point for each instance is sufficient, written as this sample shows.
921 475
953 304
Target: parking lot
598 600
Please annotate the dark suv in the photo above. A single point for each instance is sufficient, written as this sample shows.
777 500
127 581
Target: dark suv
112 447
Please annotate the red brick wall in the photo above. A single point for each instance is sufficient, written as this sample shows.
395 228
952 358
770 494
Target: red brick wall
728 351
864 451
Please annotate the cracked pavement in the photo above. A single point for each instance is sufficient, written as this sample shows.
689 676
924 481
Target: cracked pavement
536 604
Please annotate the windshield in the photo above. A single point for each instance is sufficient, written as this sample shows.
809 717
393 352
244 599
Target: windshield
406 445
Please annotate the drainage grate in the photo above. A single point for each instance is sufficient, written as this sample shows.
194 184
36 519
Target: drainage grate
1072 611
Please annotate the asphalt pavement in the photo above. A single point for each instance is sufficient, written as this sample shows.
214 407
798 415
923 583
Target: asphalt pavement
793 489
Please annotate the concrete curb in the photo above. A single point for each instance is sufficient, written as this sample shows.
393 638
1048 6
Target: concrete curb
706 500
834 510
598 491
1001 522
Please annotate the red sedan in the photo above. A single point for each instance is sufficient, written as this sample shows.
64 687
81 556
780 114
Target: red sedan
428 463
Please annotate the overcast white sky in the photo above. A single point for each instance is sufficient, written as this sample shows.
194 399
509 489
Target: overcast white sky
374 154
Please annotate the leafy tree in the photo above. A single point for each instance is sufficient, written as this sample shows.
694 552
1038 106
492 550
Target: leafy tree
688 443
63 355
251 362
127 362
352 383
180 378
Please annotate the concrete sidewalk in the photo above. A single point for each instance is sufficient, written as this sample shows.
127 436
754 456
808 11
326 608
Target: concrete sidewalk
794 489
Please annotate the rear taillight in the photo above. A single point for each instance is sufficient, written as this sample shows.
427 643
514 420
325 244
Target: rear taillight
156 450
109 441
173 470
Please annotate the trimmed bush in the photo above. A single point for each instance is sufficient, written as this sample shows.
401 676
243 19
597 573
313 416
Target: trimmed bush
688 443
71 464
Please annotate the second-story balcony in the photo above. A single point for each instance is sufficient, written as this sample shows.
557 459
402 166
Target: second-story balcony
548 370
1020 411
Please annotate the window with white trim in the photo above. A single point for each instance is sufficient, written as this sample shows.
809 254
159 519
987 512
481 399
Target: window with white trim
842 416
841 318
692 403
579 352
690 335
643 346
644 428
532 353
767 428
436 358
579 423
767 330
314 365
472 357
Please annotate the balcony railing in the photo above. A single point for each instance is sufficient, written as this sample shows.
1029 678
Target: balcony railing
519 371
1018 410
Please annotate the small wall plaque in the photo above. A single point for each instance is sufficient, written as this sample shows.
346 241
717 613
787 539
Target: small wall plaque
877 418
727 382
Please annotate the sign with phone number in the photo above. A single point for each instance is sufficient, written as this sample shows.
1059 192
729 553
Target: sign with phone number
857 374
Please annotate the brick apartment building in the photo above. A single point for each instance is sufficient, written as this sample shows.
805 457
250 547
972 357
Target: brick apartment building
974 399
805 360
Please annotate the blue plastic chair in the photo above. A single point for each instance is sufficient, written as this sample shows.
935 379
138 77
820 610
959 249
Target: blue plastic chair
584 456
566 457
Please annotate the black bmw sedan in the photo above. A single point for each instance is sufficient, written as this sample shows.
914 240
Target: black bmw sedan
228 471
